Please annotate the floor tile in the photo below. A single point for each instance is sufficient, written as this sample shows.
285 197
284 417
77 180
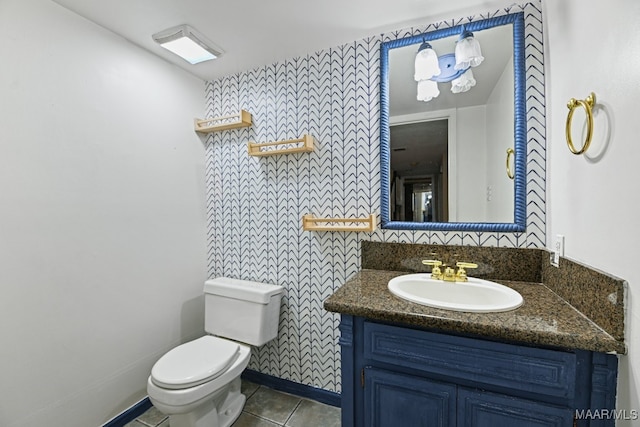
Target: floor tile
248 388
265 407
272 405
152 417
311 413
248 420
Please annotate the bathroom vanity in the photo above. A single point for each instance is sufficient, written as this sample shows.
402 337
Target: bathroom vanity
399 376
404 364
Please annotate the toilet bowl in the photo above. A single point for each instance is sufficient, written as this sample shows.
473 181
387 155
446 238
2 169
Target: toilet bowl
177 395
198 383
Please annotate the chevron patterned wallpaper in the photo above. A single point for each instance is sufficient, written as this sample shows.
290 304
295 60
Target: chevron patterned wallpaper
255 204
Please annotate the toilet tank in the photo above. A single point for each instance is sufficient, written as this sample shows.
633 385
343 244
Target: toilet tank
242 310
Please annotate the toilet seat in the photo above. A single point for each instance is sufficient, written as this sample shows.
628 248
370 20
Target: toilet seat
178 401
194 363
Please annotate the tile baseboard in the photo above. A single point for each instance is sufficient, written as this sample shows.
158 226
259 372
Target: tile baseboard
301 390
130 414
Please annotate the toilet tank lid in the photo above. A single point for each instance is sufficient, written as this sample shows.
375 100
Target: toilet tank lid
242 289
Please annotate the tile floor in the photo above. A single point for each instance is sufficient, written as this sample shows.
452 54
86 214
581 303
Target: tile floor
264 408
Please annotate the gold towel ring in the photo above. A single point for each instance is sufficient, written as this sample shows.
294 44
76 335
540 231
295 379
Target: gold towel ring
587 104
510 151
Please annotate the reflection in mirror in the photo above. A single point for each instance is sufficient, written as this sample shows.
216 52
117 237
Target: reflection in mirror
419 178
443 160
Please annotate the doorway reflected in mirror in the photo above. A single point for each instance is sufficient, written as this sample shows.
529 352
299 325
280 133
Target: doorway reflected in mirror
419 159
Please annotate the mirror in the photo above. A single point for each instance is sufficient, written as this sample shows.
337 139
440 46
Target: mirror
443 162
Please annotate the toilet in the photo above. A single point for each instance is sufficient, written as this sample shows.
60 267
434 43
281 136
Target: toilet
198 383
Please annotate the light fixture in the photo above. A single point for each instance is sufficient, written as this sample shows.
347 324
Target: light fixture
463 83
468 53
427 90
426 64
431 69
188 44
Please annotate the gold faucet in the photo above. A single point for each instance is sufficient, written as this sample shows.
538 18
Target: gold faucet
449 274
461 275
436 273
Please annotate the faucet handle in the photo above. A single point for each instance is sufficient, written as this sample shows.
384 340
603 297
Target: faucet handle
461 275
466 265
435 268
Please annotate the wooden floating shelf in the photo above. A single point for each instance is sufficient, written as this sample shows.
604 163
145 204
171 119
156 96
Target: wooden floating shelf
233 121
258 149
310 223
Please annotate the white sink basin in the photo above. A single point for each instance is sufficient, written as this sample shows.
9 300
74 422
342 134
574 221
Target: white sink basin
476 295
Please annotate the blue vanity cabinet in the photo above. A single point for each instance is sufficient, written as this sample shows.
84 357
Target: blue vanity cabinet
396 376
479 408
392 399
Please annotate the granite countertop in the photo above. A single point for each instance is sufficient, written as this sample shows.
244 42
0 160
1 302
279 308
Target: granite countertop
544 318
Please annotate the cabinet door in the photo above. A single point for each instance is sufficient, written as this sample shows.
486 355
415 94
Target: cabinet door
399 400
482 409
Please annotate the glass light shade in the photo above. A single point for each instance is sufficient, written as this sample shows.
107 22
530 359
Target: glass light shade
427 90
468 53
189 50
463 83
426 64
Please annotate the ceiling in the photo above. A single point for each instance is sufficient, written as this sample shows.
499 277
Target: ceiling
417 148
497 48
254 33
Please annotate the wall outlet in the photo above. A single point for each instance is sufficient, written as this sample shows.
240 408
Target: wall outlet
558 250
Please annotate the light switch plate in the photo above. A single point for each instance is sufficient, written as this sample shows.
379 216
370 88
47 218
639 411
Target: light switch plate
558 250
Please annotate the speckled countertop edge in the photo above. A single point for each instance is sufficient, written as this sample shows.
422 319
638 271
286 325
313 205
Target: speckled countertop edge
544 319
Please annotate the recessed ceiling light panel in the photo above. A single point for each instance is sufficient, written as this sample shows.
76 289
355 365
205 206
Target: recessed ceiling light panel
188 44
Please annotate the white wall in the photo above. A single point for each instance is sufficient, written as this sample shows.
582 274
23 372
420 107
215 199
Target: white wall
471 151
594 201
102 216
500 132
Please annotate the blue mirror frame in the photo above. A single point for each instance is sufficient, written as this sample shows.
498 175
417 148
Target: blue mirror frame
520 128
